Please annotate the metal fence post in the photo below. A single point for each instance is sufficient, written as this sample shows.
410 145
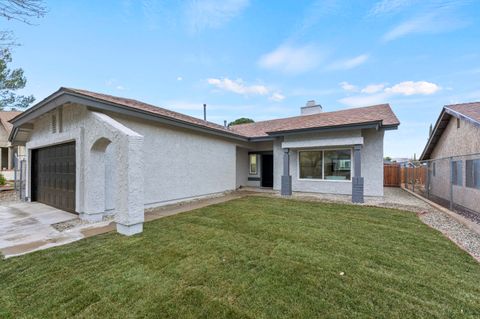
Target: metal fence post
406 176
451 183
413 179
427 182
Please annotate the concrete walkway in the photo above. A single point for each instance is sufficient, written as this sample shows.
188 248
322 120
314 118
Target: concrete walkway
27 227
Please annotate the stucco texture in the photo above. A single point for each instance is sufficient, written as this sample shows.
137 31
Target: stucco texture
460 142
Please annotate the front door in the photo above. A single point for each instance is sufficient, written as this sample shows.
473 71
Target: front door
267 170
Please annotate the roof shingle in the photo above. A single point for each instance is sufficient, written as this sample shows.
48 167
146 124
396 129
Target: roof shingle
470 110
377 113
5 117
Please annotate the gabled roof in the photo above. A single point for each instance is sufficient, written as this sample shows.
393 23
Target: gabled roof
381 115
378 116
469 112
5 117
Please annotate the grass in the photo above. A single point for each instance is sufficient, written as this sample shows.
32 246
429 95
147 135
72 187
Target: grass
251 258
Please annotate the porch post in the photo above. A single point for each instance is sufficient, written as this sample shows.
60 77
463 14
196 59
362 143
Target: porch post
10 157
357 179
286 189
1 159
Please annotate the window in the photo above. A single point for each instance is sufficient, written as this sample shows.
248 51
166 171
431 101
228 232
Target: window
337 165
434 168
472 170
253 164
457 173
458 123
328 164
311 164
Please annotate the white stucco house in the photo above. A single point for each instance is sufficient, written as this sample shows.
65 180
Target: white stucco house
96 154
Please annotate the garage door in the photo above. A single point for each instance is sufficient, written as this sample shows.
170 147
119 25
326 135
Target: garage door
53 176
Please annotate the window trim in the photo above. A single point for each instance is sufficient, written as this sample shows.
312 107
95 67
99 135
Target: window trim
459 170
250 172
473 186
323 165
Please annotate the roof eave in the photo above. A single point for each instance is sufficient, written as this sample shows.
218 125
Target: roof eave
356 126
63 96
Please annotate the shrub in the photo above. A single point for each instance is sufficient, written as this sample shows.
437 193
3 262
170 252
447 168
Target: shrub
3 180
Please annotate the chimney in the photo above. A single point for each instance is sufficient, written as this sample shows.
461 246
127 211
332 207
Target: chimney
311 108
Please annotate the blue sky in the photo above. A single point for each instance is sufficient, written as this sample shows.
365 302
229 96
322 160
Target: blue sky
262 59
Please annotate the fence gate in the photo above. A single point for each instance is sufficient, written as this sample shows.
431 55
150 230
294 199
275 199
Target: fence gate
391 175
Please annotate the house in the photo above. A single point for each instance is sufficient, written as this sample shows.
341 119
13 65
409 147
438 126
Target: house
96 154
7 150
453 155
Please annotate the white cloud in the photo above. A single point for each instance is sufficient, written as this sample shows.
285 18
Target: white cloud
277 97
378 93
237 86
359 100
203 14
349 63
411 88
289 59
179 78
348 86
437 21
373 88
389 6
113 83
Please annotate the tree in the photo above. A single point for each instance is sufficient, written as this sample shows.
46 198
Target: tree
22 10
242 120
11 80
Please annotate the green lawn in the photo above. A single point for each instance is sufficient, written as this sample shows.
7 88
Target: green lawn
251 258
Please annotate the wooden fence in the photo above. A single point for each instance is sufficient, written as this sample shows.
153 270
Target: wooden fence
394 175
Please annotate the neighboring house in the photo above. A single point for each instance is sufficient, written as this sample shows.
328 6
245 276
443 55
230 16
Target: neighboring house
97 154
7 150
453 154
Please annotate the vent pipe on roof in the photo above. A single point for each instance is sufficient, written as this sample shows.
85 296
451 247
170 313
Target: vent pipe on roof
204 112
311 108
225 123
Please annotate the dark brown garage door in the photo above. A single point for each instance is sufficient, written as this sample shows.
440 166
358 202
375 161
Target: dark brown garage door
53 176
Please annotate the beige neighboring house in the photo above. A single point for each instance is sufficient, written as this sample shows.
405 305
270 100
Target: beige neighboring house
7 150
453 155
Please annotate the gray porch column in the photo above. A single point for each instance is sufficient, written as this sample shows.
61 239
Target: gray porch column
286 189
10 158
357 179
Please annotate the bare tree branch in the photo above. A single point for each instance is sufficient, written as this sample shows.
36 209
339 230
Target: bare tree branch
22 10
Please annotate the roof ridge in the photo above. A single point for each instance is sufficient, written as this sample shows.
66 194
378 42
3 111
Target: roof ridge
82 91
314 115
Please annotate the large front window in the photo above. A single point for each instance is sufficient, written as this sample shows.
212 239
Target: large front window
326 164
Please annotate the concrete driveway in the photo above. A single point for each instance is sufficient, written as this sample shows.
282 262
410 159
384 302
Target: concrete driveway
26 227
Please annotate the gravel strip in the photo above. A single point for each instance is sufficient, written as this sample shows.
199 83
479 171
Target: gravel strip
455 231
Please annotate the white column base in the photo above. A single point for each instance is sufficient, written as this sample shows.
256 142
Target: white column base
129 230
91 218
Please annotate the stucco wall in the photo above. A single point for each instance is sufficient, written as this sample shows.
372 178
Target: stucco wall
372 163
3 137
458 141
242 167
181 164
455 141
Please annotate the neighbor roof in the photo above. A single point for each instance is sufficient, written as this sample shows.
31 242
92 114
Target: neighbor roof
469 112
380 116
5 117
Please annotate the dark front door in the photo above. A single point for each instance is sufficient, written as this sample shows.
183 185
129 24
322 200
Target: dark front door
53 176
267 170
